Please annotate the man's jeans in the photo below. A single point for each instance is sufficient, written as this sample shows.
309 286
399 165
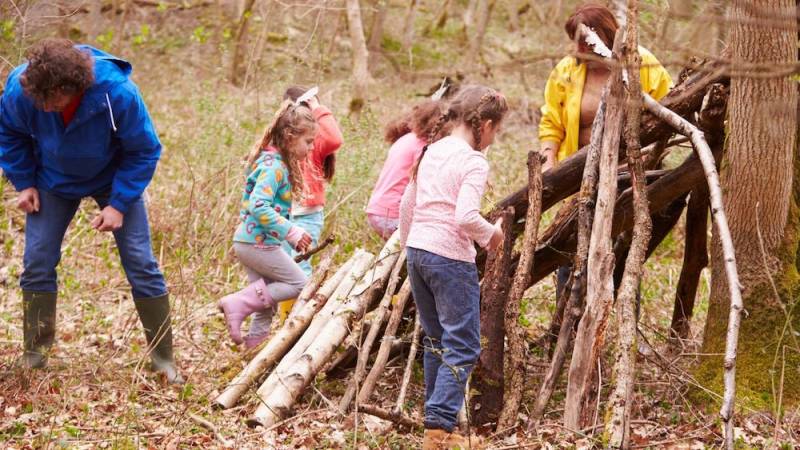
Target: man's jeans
44 233
447 295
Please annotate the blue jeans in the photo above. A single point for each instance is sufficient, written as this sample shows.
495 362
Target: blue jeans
44 233
447 295
313 224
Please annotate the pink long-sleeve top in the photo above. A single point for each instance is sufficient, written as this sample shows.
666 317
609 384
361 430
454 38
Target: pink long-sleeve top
440 209
396 172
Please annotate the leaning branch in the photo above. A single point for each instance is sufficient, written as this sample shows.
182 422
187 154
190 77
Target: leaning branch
718 213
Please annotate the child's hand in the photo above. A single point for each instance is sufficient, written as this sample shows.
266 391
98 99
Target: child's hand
497 236
304 243
313 103
299 238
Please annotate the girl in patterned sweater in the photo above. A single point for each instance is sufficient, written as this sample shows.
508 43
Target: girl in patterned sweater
274 176
440 221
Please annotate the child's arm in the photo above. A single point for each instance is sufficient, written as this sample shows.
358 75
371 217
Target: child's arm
468 203
329 136
262 202
407 205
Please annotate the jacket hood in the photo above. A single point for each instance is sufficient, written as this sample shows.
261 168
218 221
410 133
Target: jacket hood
109 70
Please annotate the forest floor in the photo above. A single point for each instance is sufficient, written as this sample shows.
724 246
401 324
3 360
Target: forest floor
96 391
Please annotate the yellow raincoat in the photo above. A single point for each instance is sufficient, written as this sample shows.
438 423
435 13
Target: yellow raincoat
562 99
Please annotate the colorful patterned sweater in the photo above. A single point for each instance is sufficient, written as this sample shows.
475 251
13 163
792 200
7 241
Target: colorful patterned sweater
266 202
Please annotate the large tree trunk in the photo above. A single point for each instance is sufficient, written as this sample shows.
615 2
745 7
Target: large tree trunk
759 178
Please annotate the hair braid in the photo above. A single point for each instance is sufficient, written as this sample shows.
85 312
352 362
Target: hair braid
475 116
433 137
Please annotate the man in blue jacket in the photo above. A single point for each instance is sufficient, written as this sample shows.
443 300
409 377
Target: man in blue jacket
73 125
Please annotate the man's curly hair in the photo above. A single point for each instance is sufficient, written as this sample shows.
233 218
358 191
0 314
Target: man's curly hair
56 66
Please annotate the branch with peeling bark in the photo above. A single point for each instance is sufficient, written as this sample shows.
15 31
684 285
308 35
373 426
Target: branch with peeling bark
706 157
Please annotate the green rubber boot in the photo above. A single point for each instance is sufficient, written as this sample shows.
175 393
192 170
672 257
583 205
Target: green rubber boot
155 317
39 327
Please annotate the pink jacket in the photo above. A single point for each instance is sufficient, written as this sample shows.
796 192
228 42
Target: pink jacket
395 175
440 210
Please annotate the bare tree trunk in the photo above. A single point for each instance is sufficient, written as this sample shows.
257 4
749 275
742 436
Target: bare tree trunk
619 404
481 19
487 380
241 42
408 24
762 212
695 258
361 76
600 270
619 8
376 29
514 358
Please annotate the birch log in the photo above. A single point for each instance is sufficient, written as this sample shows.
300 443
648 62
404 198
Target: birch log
514 357
280 343
361 263
600 267
706 157
379 317
277 402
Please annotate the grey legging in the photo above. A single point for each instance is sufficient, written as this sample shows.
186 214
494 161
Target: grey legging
283 276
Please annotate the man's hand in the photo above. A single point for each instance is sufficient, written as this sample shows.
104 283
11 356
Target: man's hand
109 219
497 236
28 200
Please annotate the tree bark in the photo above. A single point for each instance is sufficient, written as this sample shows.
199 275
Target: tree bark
761 202
574 304
376 29
487 379
482 12
600 270
620 402
360 56
239 49
514 358
695 258
408 24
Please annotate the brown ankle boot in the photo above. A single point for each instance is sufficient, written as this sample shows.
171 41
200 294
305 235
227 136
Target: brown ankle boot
436 439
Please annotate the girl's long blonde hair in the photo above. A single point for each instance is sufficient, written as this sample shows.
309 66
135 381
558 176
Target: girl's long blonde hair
290 122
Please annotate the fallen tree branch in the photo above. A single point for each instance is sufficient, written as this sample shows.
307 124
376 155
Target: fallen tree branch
412 354
706 157
514 357
304 256
212 428
392 416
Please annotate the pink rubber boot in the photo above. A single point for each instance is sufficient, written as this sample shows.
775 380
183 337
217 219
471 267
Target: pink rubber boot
239 305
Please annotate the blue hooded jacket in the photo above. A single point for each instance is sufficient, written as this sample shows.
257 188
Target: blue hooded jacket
110 142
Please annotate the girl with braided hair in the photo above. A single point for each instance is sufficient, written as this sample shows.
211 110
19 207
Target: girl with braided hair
274 175
439 221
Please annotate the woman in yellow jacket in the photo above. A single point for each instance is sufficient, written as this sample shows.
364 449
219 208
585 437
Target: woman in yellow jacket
574 87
